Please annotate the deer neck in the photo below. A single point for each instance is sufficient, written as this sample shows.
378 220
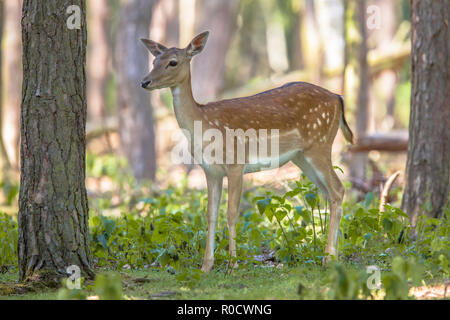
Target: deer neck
185 107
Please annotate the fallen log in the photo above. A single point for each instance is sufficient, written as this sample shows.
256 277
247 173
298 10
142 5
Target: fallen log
390 142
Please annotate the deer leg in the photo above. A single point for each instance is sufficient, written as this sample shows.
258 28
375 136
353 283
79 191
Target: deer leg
234 197
320 170
214 185
335 213
301 162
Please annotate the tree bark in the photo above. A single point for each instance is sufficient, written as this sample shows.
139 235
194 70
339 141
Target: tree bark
427 167
219 17
359 160
53 204
136 124
11 80
98 59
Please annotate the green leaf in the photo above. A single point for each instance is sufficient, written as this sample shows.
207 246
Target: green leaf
269 214
262 205
387 224
370 196
339 168
305 215
280 215
368 236
102 240
311 199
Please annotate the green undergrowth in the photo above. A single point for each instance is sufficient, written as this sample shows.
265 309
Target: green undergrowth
160 237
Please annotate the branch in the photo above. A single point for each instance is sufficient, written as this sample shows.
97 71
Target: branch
387 187
391 142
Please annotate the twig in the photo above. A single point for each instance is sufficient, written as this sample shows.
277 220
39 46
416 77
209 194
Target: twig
387 187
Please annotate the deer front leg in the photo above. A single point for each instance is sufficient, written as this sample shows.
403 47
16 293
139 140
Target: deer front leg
214 185
234 197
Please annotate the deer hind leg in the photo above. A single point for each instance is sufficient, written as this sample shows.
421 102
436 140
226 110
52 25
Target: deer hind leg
318 167
234 197
214 185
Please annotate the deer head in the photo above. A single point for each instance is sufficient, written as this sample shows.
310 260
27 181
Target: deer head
171 66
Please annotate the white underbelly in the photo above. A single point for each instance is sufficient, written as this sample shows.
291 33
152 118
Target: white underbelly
270 162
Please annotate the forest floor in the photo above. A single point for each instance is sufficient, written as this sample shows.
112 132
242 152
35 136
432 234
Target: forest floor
265 283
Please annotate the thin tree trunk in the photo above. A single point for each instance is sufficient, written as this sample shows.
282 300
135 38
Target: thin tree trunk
98 59
219 17
346 46
428 164
359 161
11 79
53 205
136 125
297 62
165 24
387 78
312 45
165 28
4 161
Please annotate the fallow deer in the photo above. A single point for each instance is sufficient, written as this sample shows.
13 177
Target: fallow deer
306 116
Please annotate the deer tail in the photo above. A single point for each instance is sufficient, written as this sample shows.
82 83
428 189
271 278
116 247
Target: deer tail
348 134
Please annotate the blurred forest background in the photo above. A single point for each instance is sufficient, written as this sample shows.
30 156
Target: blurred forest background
360 49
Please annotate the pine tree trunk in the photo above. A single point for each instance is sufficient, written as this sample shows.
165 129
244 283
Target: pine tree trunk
136 125
427 168
53 205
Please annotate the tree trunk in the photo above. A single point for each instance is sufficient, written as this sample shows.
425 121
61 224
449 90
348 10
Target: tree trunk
388 78
359 160
11 79
136 125
53 205
427 167
165 24
219 17
313 53
4 161
98 59
297 62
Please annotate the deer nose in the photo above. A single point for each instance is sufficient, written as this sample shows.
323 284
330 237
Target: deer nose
144 84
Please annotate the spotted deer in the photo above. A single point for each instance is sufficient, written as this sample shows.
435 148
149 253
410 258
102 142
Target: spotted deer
306 117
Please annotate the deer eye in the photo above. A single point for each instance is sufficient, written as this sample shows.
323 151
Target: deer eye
173 63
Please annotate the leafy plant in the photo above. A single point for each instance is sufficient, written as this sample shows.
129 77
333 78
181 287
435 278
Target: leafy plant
396 282
8 240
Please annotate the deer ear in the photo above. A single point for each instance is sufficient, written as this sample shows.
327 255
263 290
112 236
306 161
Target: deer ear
154 47
197 44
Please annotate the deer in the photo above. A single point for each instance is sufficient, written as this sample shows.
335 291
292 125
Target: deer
307 118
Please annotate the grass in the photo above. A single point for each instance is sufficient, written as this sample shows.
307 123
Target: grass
245 283
249 283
